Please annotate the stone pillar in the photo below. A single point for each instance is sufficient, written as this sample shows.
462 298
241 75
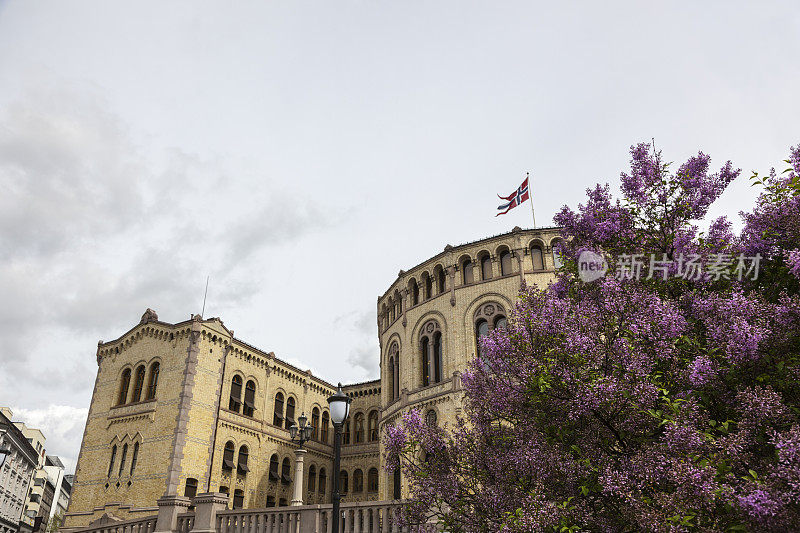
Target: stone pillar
297 499
206 507
169 507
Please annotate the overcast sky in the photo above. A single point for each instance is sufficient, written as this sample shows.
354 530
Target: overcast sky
302 153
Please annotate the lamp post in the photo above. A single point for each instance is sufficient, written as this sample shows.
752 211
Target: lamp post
340 408
301 431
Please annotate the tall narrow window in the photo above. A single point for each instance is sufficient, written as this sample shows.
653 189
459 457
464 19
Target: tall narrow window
122 459
113 459
440 280
152 385
437 357
238 499
414 292
236 393
324 430
270 501
467 275
315 423
241 465
273 468
190 491
124 386
134 457
138 384
286 470
481 330
425 365
557 263
227 456
346 432
358 480
277 418
312 478
537 258
430 418
428 286
358 422
343 484
372 480
391 378
396 484
486 267
372 426
249 398
505 263
323 480
289 412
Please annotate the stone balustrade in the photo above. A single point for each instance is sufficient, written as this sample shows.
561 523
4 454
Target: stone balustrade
212 516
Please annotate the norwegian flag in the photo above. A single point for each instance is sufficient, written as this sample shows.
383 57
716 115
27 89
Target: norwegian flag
514 199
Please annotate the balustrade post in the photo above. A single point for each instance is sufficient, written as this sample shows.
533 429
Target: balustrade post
169 507
206 507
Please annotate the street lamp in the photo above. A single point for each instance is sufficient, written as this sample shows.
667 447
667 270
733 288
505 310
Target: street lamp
301 431
340 408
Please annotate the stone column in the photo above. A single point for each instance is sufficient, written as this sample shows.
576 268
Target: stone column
169 507
206 507
297 499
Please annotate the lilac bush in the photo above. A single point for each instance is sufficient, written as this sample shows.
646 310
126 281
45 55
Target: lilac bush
633 404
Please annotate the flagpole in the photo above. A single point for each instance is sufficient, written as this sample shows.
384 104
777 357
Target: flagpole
530 197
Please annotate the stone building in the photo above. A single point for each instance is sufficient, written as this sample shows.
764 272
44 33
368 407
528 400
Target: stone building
21 460
188 408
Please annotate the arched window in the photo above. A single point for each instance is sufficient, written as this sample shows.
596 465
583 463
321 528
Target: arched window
372 426
312 478
236 393
505 263
152 385
391 377
537 258
323 481
124 386
324 432
414 288
426 367
343 485
249 398
358 481
315 423
399 302
358 423
486 267
113 459
241 465
428 285
277 418
430 417
437 357
372 480
238 499
227 456
481 330
487 317
557 263
286 470
122 459
273 467
289 412
346 432
396 484
134 457
391 310
440 279
467 274
138 384
190 490
394 372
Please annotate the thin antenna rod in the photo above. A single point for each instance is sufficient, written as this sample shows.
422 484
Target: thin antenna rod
203 312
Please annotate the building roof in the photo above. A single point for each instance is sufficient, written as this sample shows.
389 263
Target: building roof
53 460
12 429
